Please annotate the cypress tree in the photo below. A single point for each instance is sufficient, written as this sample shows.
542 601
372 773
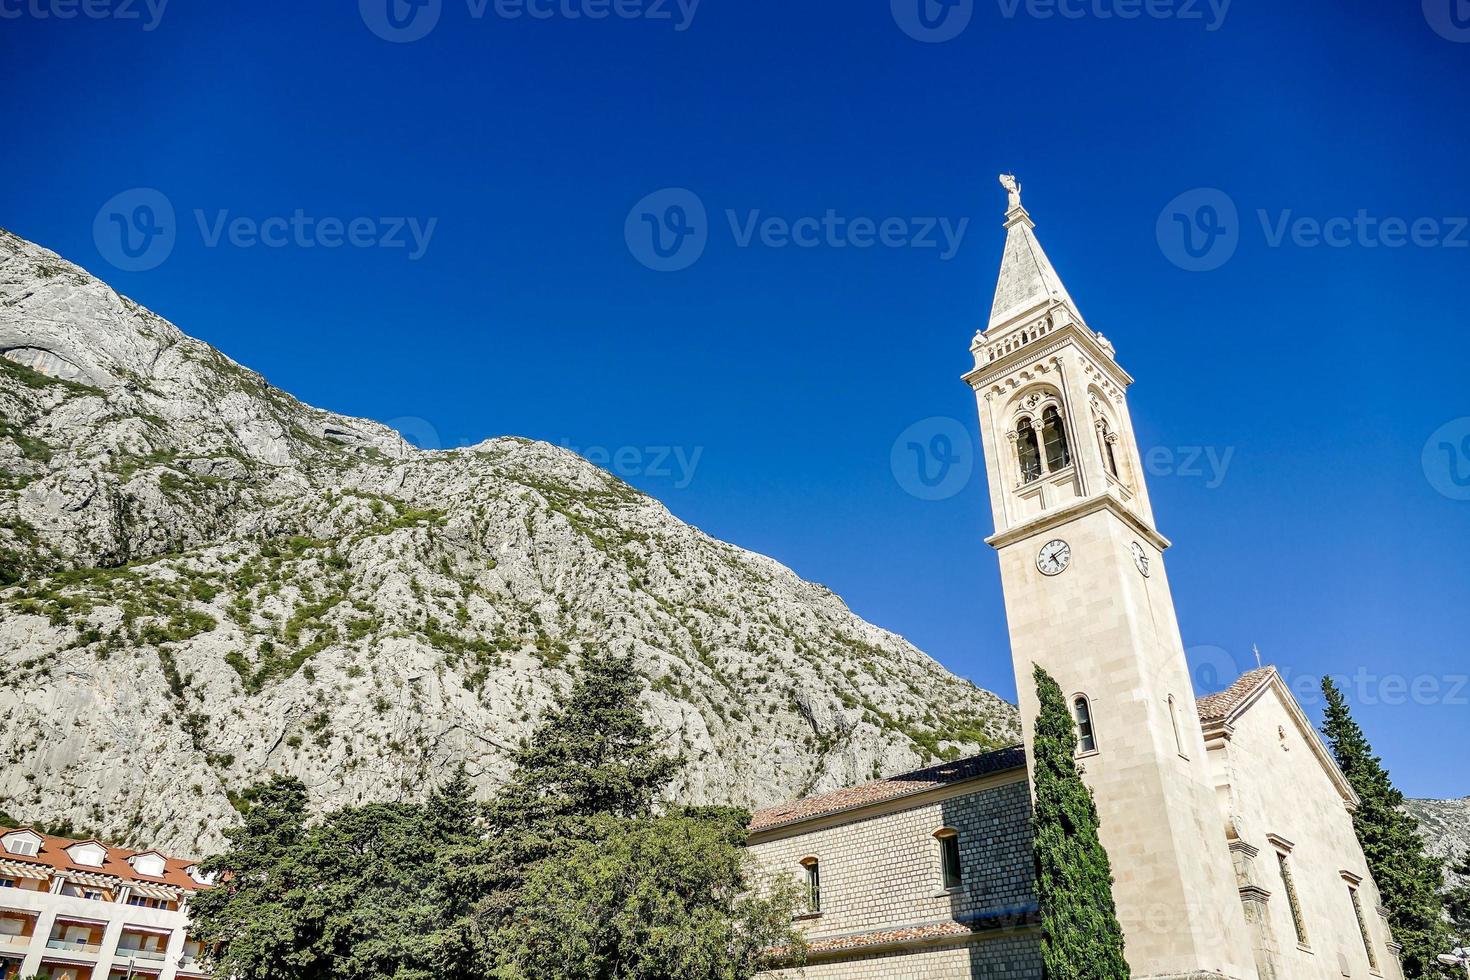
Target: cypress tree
1081 938
1408 878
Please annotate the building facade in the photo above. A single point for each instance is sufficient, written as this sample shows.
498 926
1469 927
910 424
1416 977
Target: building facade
80 910
1227 823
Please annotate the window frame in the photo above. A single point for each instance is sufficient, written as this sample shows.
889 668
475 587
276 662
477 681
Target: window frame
1087 744
813 869
951 862
1293 898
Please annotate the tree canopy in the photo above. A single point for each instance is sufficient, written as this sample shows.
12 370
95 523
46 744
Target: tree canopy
572 872
1408 878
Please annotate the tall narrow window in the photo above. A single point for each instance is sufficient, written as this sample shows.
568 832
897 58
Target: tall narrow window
1028 451
1291 898
1174 720
1086 737
1107 446
1363 929
1054 437
813 886
950 869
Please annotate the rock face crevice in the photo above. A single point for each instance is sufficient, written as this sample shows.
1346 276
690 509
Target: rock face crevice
204 581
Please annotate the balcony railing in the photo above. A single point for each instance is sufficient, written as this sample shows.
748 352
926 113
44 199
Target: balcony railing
125 953
11 941
73 946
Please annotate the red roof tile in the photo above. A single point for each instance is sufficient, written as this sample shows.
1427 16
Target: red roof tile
895 787
53 855
1214 707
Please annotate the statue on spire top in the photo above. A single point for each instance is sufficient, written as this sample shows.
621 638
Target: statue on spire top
1013 189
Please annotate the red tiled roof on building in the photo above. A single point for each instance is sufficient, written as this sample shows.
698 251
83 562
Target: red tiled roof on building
115 863
895 787
1213 707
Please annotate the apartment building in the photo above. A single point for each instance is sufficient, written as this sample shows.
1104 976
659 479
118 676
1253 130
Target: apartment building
81 910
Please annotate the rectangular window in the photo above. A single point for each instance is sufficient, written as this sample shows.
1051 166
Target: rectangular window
1363 929
949 860
813 886
1291 897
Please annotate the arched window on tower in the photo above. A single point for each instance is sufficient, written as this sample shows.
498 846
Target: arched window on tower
1086 735
1028 451
1054 439
1107 446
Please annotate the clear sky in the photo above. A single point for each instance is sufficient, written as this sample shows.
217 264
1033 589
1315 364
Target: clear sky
1303 404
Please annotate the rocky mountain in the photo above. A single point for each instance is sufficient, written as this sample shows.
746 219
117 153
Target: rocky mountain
1445 826
204 581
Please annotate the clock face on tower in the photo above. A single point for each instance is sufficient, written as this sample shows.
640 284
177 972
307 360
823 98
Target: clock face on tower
1140 558
1054 557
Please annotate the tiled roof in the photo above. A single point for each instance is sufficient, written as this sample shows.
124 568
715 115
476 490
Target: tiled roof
53 855
1214 707
892 788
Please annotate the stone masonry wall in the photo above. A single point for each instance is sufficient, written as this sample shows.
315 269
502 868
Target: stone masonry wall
883 872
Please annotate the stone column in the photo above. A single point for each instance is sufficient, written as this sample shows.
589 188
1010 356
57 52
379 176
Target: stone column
1256 901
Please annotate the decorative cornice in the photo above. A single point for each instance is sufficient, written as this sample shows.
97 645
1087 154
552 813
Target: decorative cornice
1072 512
1069 332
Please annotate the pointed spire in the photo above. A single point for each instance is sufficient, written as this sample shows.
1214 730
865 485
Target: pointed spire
1027 280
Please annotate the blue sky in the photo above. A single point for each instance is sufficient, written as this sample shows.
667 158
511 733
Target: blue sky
1305 403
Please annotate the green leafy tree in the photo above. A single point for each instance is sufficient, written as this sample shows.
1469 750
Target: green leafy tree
669 898
1408 878
1457 904
1081 938
358 895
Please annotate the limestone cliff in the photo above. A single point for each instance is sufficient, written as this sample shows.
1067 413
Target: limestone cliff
204 581
1445 826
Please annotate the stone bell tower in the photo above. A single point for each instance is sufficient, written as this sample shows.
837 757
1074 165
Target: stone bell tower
1087 598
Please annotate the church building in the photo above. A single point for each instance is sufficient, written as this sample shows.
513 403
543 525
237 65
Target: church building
1226 820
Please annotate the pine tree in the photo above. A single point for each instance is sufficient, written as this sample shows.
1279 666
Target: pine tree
1081 937
1408 879
594 755
1457 904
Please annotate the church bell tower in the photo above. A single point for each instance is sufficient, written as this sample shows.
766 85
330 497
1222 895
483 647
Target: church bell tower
1087 598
